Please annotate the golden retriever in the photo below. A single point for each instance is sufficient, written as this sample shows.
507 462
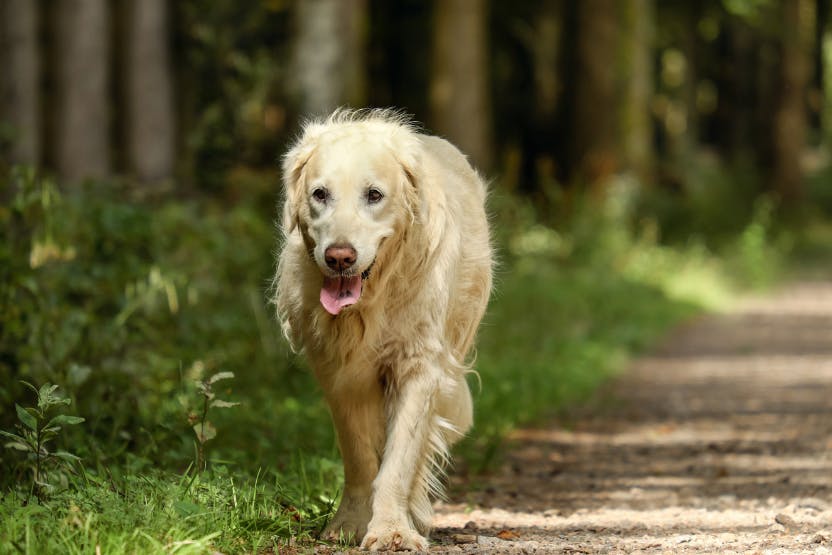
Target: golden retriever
383 278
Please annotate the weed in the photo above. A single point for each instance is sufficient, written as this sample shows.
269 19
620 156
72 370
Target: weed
205 430
36 430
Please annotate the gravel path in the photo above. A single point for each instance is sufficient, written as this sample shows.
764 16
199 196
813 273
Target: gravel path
720 441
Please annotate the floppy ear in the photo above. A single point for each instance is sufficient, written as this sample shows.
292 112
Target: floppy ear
426 199
294 162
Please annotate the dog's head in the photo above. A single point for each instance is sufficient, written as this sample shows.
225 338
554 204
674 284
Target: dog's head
349 186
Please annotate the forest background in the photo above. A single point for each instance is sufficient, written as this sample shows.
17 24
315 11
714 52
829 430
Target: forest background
648 160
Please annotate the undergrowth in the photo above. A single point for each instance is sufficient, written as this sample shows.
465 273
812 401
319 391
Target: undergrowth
135 308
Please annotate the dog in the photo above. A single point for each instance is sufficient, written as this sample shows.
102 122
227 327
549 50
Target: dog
383 277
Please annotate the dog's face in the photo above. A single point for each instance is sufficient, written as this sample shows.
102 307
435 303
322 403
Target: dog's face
346 198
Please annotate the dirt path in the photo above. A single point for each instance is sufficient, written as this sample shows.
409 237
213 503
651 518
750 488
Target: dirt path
718 442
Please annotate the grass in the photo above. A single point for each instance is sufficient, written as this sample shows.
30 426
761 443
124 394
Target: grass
159 512
128 305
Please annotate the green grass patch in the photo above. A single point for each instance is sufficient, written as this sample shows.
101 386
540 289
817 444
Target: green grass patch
161 512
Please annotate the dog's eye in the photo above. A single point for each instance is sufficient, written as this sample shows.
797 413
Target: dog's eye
374 196
320 194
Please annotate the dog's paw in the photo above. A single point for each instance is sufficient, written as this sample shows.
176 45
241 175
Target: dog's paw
350 521
347 533
393 538
347 529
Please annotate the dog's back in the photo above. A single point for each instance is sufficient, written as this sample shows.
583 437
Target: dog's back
471 285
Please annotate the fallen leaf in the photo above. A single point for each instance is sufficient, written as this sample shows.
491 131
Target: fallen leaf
508 535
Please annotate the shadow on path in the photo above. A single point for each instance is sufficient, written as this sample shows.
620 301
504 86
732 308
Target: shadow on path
719 440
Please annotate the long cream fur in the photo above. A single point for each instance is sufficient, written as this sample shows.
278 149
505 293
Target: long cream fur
392 366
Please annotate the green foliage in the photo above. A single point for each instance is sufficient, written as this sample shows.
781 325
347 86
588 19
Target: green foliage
134 307
36 430
233 57
713 206
758 255
818 189
204 430
755 12
160 512
131 302
721 212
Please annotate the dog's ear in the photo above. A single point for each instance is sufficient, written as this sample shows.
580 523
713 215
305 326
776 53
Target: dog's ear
426 199
410 185
294 162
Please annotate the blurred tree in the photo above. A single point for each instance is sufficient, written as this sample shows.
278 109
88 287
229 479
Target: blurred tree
232 87
680 75
740 78
694 91
150 120
83 102
329 56
544 44
819 89
398 67
636 82
593 156
460 100
564 91
543 40
791 116
19 80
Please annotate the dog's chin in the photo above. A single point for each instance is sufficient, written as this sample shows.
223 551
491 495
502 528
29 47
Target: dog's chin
339 291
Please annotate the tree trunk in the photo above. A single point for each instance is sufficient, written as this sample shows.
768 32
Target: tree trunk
83 104
593 155
740 94
19 79
540 138
329 56
460 100
791 116
823 72
636 78
150 129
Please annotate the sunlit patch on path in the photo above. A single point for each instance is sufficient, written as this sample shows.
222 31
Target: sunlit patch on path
719 441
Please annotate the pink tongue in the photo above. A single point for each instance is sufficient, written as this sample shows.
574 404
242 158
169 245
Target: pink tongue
339 292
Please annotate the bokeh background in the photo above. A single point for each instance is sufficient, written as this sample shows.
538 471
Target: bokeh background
545 94
648 160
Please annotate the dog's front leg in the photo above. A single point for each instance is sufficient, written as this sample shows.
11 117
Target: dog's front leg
410 417
359 423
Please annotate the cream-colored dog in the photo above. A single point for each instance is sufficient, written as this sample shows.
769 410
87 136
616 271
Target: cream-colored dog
383 278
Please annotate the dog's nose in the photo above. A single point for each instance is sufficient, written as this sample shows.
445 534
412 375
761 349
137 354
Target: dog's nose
340 257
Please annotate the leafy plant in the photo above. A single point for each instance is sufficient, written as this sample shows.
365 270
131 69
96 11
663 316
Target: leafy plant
204 430
134 288
36 430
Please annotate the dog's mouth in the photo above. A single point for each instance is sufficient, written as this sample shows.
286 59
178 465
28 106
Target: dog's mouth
338 292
